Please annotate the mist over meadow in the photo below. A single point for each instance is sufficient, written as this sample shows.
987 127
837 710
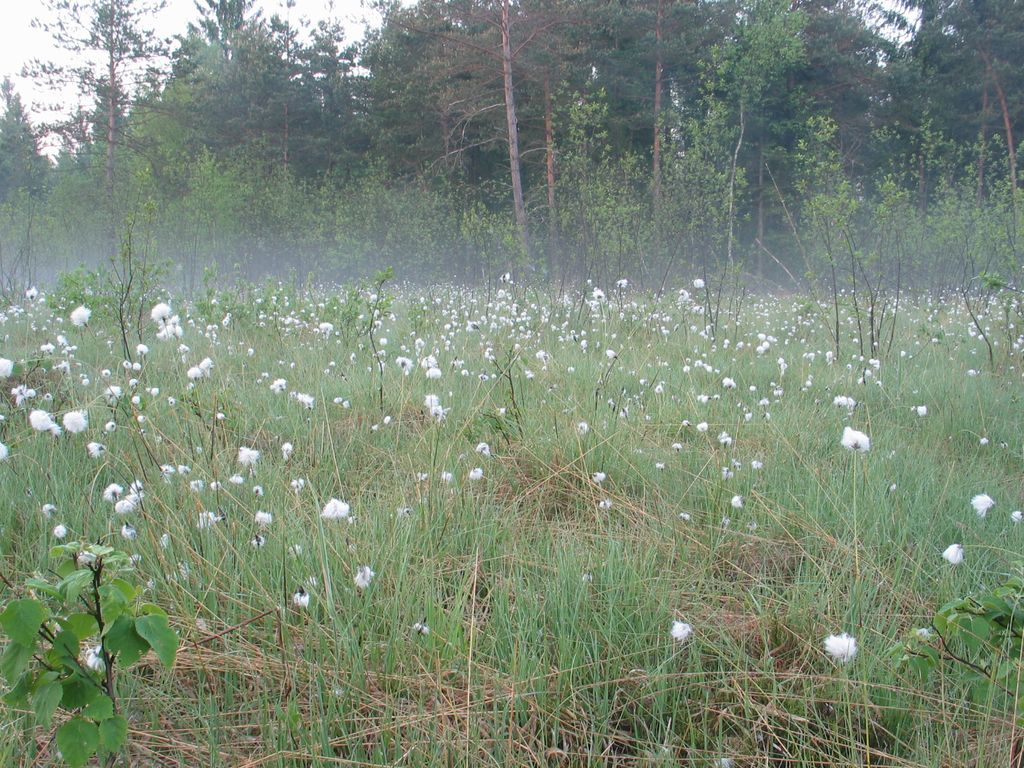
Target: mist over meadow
458 141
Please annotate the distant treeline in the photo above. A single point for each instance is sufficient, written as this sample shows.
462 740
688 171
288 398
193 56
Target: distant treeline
562 139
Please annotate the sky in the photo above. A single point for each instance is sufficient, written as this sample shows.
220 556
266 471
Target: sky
20 42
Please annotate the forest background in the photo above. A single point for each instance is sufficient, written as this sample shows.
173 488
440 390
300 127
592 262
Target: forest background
564 140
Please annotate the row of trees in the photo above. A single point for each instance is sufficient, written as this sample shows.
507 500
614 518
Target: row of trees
570 137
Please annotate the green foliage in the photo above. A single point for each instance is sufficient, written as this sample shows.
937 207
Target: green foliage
981 637
69 637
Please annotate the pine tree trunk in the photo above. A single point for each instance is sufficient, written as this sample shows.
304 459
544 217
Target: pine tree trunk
982 141
760 209
515 169
658 68
1011 147
111 137
549 156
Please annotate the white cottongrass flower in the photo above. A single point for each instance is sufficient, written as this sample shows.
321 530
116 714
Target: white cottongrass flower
278 386
729 383
301 598
1017 515
681 631
263 518
842 648
248 457
6 367
60 531
80 316
842 401
112 493
599 477
95 450
698 284
421 628
954 554
364 575
160 313
737 502
306 401
76 421
4 452
286 451
126 505
702 427
483 449
605 504
921 410
94 659
476 473
855 440
582 428
41 421
982 503
335 509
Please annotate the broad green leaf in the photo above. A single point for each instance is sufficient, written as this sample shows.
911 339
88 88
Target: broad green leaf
160 636
996 605
18 695
21 620
45 701
14 661
82 624
151 609
78 740
974 631
112 602
123 642
113 733
65 646
42 586
79 692
129 590
981 690
74 584
99 708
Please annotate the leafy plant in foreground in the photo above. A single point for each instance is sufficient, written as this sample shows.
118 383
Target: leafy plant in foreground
983 636
68 639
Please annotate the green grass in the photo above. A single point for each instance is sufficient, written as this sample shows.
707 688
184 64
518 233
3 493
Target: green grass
549 615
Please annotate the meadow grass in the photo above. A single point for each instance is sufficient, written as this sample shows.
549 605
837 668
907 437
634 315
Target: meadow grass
550 594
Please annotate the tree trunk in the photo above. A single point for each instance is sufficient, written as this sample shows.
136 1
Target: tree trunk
515 169
982 141
760 209
732 186
111 136
549 156
1011 149
922 185
658 67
